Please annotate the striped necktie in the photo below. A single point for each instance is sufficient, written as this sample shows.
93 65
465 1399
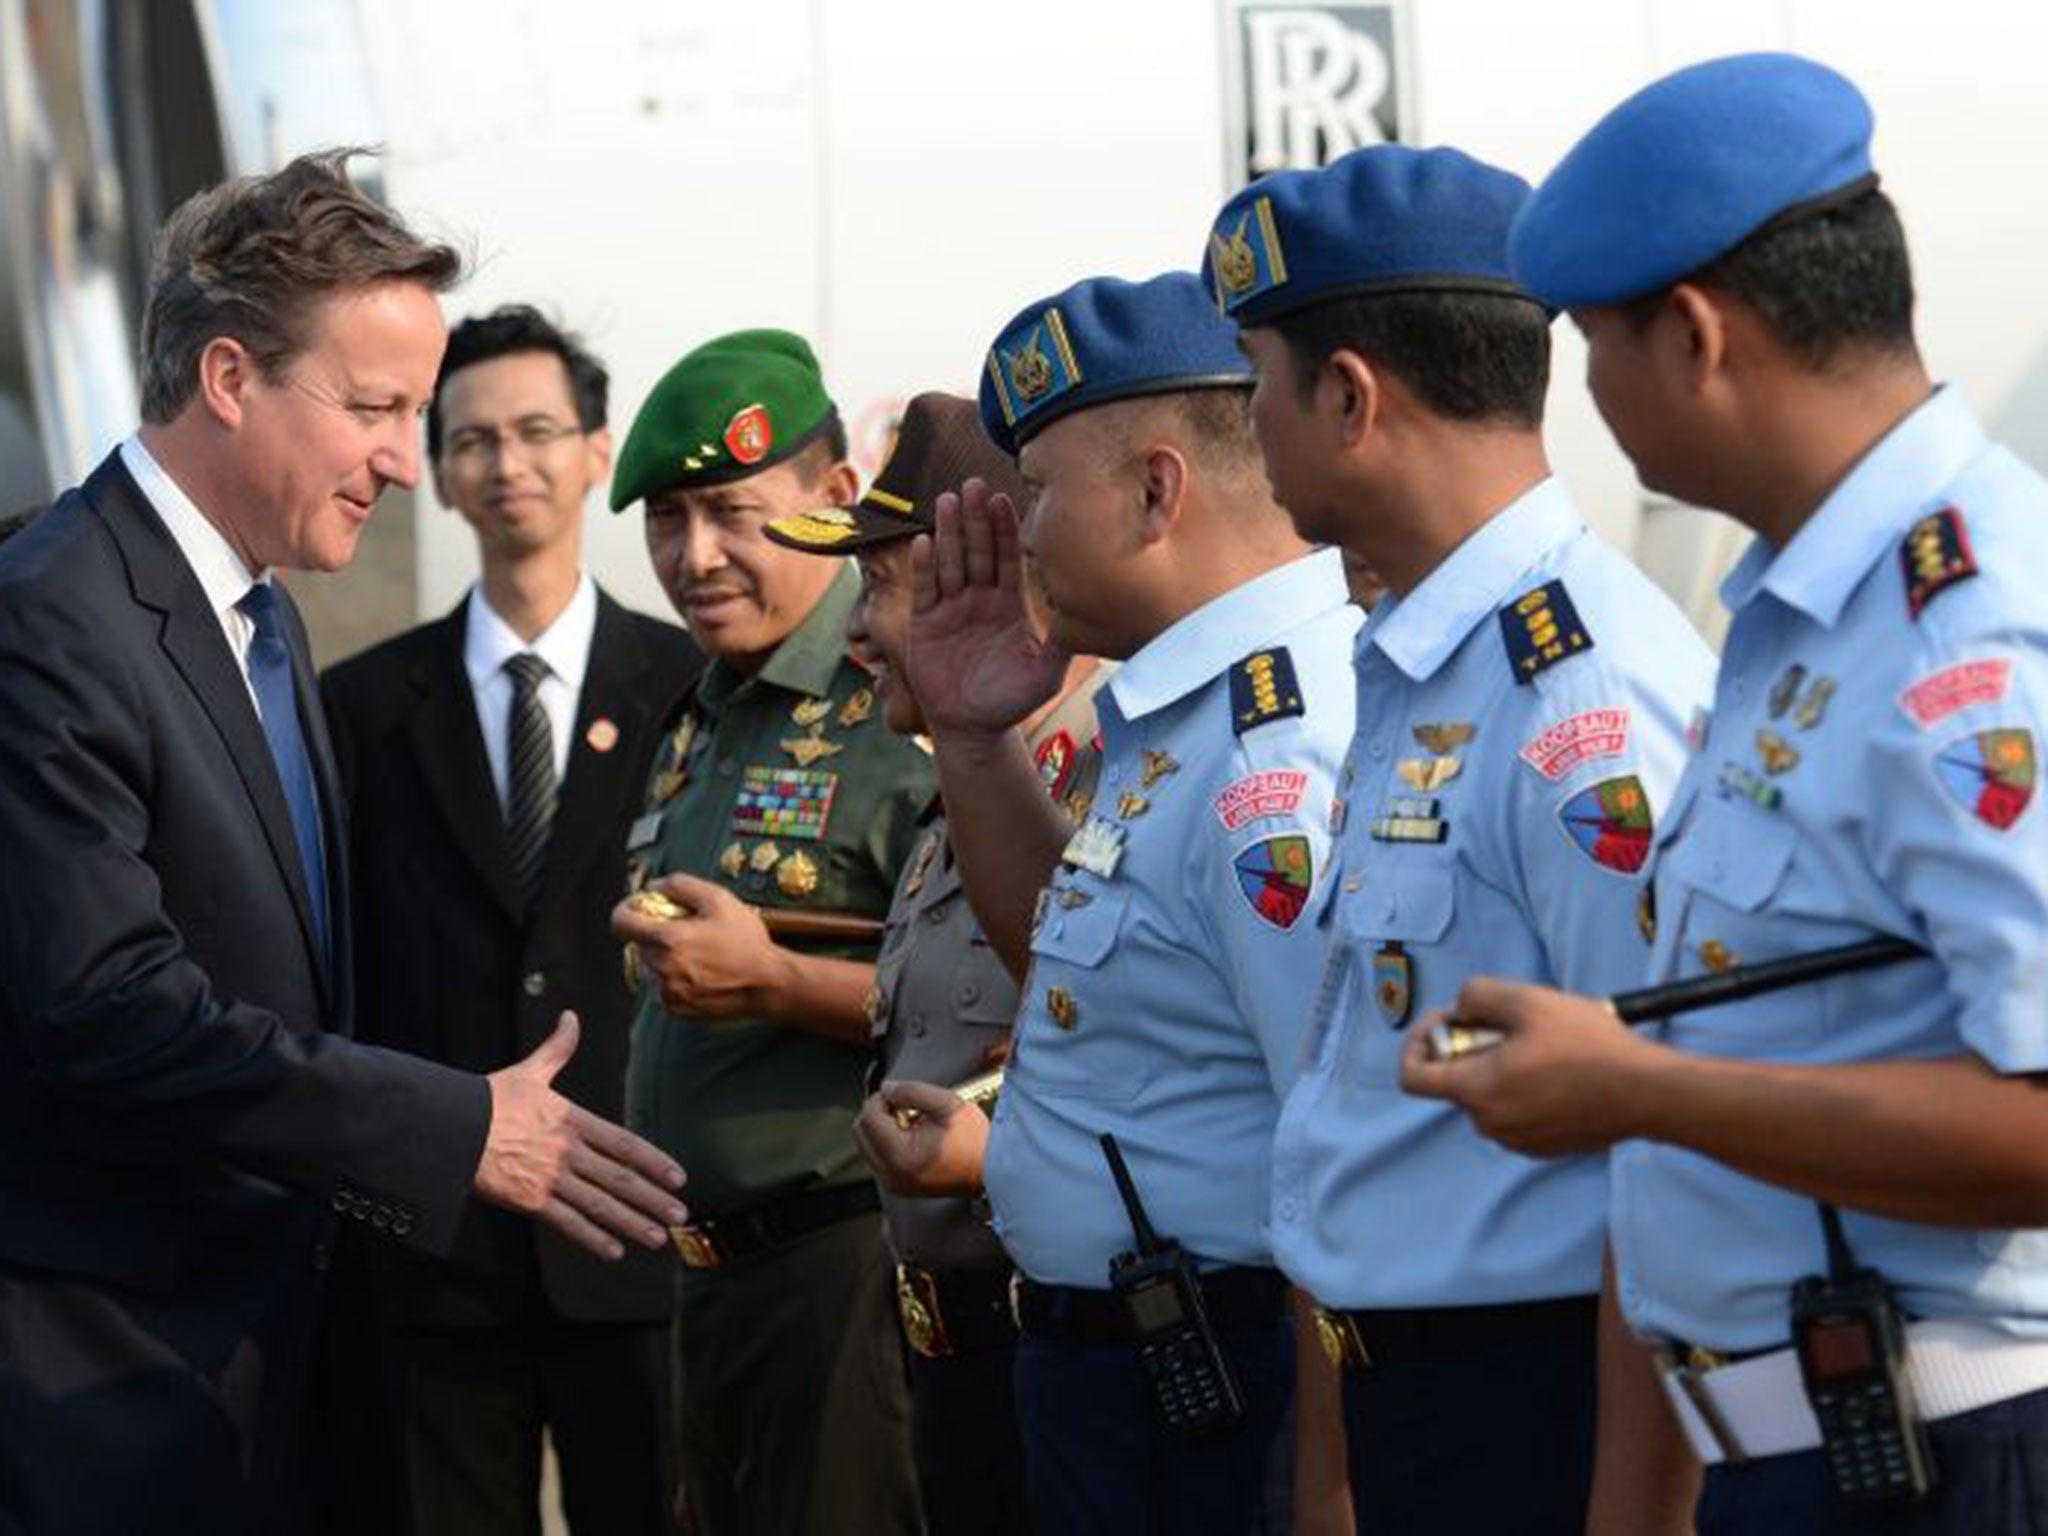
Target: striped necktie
530 772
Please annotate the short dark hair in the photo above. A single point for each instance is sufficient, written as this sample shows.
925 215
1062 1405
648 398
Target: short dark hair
511 329
1828 285
1213 424
814 461
251 258
1474 357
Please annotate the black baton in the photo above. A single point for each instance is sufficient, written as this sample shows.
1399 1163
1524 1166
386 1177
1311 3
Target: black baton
1452 1037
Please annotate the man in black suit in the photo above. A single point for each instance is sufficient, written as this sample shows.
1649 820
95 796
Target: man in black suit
182 1111
516 1328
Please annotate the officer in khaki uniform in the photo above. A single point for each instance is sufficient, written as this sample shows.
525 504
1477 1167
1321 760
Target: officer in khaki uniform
779 816
943 1002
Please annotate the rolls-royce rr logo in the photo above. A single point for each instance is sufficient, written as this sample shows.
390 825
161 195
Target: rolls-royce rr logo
1307 83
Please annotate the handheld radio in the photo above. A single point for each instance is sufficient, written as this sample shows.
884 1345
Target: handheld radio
1160 1290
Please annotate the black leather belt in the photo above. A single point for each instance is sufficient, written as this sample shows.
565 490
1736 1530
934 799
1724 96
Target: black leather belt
955 1311
716 1243
1392 1337
1240 1300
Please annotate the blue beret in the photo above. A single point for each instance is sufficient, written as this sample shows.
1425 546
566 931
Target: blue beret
1105 339
1685 170
1388 219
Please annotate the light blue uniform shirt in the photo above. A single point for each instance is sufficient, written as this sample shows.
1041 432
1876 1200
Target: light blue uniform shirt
1884 787
1167 999
1535 735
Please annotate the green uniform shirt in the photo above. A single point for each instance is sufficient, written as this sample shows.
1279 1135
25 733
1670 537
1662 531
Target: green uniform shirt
788 789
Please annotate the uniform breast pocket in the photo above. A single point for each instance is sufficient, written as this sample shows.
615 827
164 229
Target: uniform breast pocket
983 995
1392 929
1731 869
1090 1037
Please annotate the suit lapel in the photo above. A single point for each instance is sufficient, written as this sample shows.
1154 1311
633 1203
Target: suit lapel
162 580
599 781
448 745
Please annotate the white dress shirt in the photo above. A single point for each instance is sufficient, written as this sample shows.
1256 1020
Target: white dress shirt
223 577
564 645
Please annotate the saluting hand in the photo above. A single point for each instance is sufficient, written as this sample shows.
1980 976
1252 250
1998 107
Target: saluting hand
1569 1078
977 662
922 1140
592 1181
716 961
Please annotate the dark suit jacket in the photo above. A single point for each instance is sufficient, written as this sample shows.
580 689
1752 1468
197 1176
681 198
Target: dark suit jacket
447 965
180 1107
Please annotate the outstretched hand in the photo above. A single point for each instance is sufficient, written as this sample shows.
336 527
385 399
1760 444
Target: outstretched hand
977 662
545 1157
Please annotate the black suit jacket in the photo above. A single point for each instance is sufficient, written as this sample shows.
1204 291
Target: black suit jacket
181 1109
447 964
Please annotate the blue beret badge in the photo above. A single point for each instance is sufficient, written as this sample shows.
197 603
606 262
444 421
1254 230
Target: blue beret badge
1542 628
1248 262
1263 689
1033 365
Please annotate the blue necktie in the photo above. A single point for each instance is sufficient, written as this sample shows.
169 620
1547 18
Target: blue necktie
270 670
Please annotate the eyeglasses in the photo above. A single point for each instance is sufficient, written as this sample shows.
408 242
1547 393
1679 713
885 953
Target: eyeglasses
470 446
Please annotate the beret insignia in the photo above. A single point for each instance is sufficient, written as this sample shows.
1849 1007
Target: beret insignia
750 434
1249 262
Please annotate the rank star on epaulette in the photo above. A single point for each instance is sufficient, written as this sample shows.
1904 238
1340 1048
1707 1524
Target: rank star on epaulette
1935 556
1263 688
1540 629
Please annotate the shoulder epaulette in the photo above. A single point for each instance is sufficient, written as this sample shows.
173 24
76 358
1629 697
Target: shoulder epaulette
1263 689
1540 629
1934 555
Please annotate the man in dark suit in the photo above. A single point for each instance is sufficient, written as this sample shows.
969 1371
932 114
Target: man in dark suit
182 1111
516 1328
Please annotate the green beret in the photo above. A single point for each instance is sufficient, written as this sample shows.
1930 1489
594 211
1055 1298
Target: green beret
732 408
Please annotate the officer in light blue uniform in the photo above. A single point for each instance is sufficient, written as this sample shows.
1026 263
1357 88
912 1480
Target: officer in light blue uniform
1869 770
1522 696
1174 954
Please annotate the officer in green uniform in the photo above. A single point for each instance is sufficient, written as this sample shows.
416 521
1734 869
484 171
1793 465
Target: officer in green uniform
943 1001
779 816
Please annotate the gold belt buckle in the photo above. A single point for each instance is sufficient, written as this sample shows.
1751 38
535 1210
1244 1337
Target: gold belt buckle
1339 1336
917 1300
699 1248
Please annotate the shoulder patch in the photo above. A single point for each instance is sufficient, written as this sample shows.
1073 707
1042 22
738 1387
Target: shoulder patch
1990 774
1580 738
1263 689
1276 876
1938 695
1540 629
1935 555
